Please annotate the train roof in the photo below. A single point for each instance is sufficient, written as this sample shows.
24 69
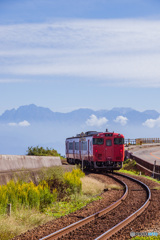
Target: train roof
94 133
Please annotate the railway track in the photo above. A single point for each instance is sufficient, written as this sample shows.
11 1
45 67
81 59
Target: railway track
110 220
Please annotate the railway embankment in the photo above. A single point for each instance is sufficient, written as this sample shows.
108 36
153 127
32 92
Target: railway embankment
146 222
146 161
14 165
20 222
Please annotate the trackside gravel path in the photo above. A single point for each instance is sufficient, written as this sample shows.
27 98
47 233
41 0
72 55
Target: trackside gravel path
147 221
108 198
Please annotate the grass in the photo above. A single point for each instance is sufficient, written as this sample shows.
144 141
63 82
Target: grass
28 195
70 197
60 209
92 187
20 221
146 238
129 167
137 173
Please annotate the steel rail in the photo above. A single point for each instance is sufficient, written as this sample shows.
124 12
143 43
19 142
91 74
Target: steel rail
129 219
88 219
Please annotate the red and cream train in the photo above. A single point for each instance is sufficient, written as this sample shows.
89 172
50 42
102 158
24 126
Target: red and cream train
96 150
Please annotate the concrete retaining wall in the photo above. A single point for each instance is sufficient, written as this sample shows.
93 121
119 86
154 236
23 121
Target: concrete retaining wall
17 162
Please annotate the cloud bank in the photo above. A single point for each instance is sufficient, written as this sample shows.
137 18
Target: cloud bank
20 124
122 120
151 123
97 122
121 52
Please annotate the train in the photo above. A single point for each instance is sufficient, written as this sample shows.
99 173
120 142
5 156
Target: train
96 150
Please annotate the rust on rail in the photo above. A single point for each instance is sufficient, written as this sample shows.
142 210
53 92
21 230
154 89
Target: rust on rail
88 219
129 219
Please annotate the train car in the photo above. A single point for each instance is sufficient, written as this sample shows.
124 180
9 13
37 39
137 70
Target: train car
96 150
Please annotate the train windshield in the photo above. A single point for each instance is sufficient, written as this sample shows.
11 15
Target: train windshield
98 141
118 141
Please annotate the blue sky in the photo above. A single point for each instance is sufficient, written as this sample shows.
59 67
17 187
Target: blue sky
65 55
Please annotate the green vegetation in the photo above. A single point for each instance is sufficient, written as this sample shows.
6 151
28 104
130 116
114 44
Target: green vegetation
55 194
20 221
129 167
64 207
146 238
40 151
26 195
90 186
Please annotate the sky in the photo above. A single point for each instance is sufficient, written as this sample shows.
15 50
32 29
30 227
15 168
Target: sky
67 55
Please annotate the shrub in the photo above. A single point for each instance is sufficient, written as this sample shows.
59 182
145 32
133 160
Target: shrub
72 179
40 151
26 194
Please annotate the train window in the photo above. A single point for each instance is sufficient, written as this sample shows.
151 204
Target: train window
108 142
71 146
98 141
118 141
76 145
109 134
83 145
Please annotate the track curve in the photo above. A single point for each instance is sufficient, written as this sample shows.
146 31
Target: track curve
90 218
123 223
86 233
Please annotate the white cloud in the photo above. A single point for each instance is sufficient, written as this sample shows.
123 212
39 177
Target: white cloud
10 80
151 123
12 124
122 120
121 52
24 123
94 121
21 124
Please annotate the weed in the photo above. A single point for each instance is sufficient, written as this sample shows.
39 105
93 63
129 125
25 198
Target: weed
26 194
20 221
63 208
31 204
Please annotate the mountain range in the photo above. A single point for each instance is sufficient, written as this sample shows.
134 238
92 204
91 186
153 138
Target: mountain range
31 125
33 113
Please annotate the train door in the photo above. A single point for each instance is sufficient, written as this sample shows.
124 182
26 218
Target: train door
74 150
80 150
119 148
88 150
67 147
108 149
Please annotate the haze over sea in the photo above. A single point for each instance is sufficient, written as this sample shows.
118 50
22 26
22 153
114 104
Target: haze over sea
32 125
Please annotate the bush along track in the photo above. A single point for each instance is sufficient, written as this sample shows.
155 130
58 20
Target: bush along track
107 198
56 194
40 151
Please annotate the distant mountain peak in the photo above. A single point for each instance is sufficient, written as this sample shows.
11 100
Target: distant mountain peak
33 113
122 110
31 106
27 112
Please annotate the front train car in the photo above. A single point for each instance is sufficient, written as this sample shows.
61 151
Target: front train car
108 150
96 150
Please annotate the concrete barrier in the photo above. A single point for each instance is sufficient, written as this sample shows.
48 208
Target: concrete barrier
18 162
